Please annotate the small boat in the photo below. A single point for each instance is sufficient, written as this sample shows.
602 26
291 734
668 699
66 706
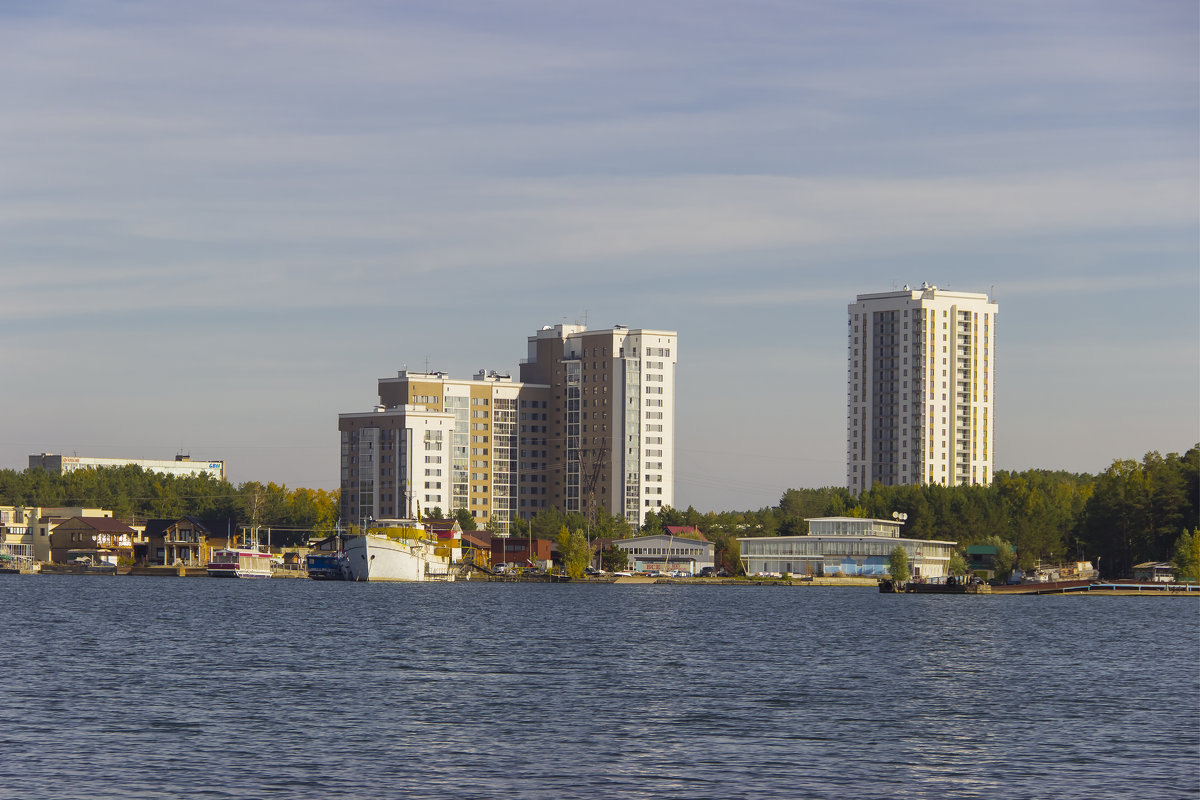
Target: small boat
326 566
247 561
239 563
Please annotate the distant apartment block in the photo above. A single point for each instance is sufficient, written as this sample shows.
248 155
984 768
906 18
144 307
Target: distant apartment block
181 465
920 388
590 424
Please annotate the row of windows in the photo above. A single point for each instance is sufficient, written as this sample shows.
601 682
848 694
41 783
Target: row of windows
665 551
837 546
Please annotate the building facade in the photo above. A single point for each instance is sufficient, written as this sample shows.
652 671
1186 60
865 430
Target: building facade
180 466
102 539
612 417
395 461
589 425
920 388
667 553
843 546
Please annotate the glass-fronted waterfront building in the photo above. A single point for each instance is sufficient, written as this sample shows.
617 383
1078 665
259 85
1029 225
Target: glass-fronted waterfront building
843 546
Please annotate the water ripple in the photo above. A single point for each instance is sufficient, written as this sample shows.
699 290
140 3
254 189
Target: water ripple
165 688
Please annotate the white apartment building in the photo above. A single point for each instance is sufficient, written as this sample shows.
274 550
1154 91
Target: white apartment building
394 462
481 460
920 388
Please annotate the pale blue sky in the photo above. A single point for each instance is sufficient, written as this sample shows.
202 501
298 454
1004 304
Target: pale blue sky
221 222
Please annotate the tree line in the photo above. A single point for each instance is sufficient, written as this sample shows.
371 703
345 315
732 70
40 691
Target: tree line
1134 511
137 495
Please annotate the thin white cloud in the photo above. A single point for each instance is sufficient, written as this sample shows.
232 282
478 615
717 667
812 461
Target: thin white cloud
533 225
211 161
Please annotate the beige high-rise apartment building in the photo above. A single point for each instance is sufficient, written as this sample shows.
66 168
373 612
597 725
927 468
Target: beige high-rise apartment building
435 441
920 388
589 425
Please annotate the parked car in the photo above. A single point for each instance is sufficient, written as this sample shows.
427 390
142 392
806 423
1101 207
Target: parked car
708 572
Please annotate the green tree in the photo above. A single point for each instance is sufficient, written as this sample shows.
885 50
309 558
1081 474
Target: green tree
465 520
574 551
1187 556
957 565
1006 558
898 565
652 525
613 558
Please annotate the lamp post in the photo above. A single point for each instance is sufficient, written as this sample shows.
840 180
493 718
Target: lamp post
900 517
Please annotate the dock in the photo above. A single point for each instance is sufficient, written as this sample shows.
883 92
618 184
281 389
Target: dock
1102 587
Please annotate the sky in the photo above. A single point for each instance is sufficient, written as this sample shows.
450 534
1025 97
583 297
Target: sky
222 222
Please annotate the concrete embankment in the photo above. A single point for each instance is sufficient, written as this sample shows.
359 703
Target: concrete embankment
861 583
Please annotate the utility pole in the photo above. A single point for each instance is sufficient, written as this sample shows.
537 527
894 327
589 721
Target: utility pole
589 489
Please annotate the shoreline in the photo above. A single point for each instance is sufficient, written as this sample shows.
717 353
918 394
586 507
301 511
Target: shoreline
1099 588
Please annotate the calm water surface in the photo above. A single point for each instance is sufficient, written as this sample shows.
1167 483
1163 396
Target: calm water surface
167 688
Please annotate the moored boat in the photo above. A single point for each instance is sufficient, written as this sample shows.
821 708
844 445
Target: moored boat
246 561
326 566
238 562
399 553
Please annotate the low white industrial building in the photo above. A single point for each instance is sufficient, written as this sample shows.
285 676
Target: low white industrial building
181 466
668 553
847 546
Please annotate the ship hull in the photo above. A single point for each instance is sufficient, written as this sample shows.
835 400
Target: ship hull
378 558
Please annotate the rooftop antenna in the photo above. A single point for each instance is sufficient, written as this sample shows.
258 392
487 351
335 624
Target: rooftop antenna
426 364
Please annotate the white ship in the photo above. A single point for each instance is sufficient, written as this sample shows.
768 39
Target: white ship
402 553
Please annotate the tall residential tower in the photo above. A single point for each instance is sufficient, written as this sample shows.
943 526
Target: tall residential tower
612 420
920 388
590 425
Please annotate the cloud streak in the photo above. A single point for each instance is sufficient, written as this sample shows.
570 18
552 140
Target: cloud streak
385 167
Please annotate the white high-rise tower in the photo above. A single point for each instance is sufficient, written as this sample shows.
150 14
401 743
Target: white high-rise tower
920 388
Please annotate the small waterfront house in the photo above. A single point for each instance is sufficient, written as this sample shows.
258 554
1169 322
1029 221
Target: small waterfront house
477 548
16 532
1154 572
177 541
101 539
981 560
44 520
521 550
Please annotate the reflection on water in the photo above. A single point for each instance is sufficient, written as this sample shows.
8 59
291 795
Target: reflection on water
150 688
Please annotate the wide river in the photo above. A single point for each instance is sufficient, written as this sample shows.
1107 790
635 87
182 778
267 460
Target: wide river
171 688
